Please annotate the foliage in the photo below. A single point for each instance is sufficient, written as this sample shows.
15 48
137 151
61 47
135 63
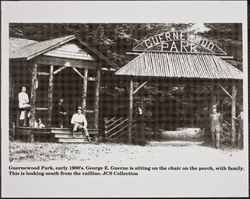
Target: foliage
114 40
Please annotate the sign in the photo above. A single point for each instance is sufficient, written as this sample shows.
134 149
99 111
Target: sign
179 42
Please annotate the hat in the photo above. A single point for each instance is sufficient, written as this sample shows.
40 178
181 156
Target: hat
79 108
214 106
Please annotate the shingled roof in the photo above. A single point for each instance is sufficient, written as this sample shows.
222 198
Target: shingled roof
29 49
177 65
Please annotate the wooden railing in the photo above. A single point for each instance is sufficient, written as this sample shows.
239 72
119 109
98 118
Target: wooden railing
116 127
226 130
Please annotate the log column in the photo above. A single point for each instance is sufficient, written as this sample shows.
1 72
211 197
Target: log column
84 89
96 105
210 137
33 95
50 95
233 114
130 118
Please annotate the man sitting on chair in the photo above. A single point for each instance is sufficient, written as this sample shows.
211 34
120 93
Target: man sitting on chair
80 123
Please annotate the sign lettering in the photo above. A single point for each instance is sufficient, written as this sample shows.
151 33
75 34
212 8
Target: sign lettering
179 42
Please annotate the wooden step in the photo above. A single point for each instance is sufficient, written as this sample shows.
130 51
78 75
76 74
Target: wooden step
69 131
61 130
69 135
73 140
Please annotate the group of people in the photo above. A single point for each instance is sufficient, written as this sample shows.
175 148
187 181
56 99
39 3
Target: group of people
216 127
78 120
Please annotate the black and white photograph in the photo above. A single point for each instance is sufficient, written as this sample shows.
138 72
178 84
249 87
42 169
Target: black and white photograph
159 107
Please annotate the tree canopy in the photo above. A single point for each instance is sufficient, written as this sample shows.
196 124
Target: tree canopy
114 40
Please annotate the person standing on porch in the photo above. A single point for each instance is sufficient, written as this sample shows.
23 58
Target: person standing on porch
80 123
216 126
60 114
23 104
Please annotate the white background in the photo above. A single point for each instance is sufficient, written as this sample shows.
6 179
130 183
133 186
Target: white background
185 184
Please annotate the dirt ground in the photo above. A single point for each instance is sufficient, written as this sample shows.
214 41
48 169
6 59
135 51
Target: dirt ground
118 153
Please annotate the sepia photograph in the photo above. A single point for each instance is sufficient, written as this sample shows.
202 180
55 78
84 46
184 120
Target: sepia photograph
166 85
125 102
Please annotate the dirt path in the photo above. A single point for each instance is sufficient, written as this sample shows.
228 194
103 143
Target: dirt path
119 153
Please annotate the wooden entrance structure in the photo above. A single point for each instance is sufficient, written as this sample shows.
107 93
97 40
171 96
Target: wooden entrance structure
32 61
178 67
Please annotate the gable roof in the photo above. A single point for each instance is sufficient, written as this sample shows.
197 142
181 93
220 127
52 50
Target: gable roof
36 48
29 49
177 65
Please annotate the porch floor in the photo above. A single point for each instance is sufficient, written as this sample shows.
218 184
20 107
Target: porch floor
53 134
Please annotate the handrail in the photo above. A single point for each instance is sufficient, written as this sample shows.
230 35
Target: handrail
119 119
110 120
118 131
116 126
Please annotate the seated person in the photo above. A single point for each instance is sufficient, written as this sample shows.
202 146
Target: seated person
39 124
80 123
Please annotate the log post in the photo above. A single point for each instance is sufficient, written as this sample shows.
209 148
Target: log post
213 95
130 118
84 89
33 95
50 95
233 114
209 136
96 105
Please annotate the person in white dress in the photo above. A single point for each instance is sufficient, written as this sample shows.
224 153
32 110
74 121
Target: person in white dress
23 104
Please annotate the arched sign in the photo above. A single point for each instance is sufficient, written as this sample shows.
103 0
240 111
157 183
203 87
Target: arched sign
184 42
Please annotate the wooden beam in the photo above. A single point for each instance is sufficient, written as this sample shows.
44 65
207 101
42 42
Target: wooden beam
133 53
59 70
233 114
139 87
130 119
43 73
96 104
78 72
93 79
50 96
33 95
84 89
213 95
225 91
226 57
46 60
41 108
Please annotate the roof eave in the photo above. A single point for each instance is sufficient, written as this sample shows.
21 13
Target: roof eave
72 37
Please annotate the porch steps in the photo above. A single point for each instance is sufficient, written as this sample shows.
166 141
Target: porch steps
65 135
59 135
73 140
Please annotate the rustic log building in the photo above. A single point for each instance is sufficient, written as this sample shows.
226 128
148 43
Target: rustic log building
69 68
58 68
174 58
